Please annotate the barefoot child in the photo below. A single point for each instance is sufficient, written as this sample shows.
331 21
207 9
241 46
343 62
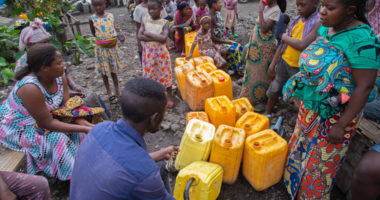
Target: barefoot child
232 15
153 35
106 50
205 45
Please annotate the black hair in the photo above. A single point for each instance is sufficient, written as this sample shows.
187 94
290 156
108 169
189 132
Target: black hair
38 55
159 2
202 0
282 5
182 5
210 2
150 98
360 9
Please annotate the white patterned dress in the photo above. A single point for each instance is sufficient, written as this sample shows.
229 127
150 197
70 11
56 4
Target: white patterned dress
53 153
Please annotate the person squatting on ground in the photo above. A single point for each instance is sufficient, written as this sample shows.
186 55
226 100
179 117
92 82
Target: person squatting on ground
260 52
205 45
220 37
132 174
153 35
26 122
14 185
302 32
231 16
336 78
107 55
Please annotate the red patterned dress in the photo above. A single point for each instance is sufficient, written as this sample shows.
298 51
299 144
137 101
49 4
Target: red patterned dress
155 56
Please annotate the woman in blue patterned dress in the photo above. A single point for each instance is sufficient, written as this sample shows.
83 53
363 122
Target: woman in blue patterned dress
25 116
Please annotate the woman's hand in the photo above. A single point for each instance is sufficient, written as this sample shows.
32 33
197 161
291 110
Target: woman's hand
261 6
336 134
83 122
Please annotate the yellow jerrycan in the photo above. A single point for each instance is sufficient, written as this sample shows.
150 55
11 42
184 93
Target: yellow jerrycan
195 143
220 110
182 61
203 60
199 87
252 123
264 159
227 151
198 181
222 83
207 67
189 39
180 74
197 115
242 106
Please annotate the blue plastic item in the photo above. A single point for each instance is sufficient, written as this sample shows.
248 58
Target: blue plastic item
278 126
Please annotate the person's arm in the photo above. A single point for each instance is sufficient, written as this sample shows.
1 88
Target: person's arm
364 80
191 50
276 58
216 39
91 23
162 38
164 153
72 85
5 193
141 34
305 42
34 102
265 25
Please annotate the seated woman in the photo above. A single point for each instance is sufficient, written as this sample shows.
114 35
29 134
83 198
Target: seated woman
35 33
26 113
183 23
232 50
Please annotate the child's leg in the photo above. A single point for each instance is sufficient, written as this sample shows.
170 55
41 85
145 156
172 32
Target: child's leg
233 30
106 84
115 83
169 93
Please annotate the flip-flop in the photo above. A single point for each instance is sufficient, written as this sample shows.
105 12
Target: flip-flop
170 104
235 35
183 54
113 99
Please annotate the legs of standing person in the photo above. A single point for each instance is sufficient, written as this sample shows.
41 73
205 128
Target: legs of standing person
366 179
107 84
115 83
283 73
164 175
169 93
26 186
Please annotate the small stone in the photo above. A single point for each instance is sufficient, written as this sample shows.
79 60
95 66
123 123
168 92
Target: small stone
165 126
175 127
156 147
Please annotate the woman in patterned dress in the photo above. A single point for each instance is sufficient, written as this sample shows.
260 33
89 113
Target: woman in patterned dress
260 51
26 113
336 78
155 56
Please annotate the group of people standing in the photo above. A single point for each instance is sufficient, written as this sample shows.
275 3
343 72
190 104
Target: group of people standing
327 63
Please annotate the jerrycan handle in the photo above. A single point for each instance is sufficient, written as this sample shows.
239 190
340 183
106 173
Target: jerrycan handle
244 107
186 195
227 139
257 145
198 136
223 107
202 78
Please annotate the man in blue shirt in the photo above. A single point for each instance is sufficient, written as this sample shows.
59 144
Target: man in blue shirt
112 162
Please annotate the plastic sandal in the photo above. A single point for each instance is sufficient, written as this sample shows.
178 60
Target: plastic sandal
170 104
113 99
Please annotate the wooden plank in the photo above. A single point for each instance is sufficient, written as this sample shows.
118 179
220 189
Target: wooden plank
370 129
10 160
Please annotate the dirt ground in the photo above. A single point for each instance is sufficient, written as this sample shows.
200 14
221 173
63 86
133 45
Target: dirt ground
174 123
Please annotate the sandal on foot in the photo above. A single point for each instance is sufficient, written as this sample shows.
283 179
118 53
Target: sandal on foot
170 104
235 35
183 54
113 99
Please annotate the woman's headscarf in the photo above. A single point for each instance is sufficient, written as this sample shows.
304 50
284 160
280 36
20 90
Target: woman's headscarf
34 33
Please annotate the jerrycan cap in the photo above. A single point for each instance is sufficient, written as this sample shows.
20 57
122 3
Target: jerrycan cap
247 126
221 79
244 109
227 142
198 137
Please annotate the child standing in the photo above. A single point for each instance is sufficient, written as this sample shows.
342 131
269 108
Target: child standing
232 15
153 35
205 45
201 11
301 33
106 50
170 9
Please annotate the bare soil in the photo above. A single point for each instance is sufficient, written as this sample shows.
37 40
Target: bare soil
174 123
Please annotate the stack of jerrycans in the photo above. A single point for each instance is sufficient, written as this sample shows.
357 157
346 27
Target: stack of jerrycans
182 61
252 123
196 115
220 110
180 73
222 83
199 87
203 60
189 38
199 181
195 143
264 159
227 151
207 67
